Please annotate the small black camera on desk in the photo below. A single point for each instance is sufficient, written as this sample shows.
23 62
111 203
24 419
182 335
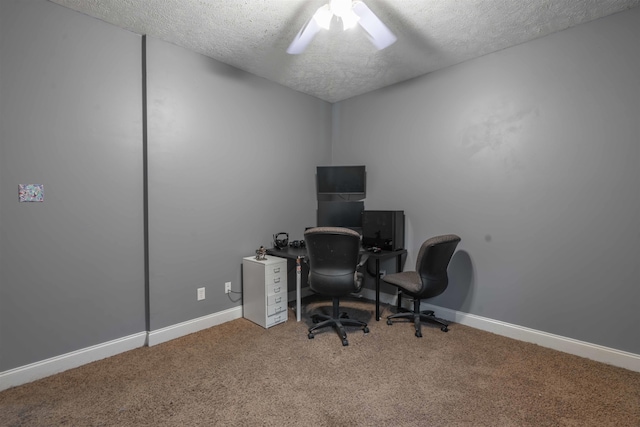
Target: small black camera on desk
297 244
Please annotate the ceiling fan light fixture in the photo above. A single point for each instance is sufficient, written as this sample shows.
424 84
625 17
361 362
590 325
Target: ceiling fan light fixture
323 17
349 20
340 8
351 13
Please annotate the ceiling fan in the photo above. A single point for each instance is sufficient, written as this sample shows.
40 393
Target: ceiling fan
350 13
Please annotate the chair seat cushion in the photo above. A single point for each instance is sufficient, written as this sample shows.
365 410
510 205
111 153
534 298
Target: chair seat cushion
407 280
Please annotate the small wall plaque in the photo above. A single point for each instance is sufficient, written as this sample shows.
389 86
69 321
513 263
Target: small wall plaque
31 192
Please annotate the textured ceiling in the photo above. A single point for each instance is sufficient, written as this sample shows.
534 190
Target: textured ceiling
253 35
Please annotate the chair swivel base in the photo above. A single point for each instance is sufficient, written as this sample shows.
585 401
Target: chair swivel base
338 321
418 317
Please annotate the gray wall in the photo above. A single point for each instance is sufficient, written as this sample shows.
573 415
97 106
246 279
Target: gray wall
231 161
71 267
532 156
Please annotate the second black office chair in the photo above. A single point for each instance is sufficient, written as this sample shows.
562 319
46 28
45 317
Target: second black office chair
333 255
429 280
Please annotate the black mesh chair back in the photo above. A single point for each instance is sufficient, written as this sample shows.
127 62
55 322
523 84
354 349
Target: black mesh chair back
333 254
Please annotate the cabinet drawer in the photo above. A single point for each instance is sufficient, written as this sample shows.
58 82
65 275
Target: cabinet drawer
275 319
270 279
279 288
276 299
277 308
275 269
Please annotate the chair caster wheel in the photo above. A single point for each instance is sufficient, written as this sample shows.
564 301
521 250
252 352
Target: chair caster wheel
345 342
389 322
444 329
310 336
418 334
365 330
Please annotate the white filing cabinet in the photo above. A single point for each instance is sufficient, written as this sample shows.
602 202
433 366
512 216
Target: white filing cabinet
264 290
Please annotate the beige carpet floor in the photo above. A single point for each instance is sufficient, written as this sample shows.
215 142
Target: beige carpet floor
239 374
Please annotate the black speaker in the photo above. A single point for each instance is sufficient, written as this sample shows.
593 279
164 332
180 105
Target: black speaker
383 229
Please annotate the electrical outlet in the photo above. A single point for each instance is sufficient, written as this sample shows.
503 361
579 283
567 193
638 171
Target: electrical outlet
200 294
227 287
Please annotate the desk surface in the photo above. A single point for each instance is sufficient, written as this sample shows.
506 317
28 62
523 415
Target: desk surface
288 252
293 253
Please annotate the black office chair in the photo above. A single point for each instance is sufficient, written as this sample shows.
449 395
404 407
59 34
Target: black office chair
333 254
429 280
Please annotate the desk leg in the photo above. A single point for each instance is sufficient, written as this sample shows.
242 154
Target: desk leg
298 286
398 270
377 289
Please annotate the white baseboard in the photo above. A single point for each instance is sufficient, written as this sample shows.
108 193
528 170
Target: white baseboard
595 352
591 351
54 365
38 370
185 328
35 371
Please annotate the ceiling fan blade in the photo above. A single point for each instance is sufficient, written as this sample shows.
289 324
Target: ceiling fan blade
379 34
304 37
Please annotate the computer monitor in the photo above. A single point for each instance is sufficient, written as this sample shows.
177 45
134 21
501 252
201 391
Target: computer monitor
340 214
345 180
383 229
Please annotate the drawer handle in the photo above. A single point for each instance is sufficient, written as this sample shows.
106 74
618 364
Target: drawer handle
276 290
276 270
278 299
278 310
276 280
277 319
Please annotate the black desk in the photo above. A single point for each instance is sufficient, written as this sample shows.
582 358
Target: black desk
381 256
298 255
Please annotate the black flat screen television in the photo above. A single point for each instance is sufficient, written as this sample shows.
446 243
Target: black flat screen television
341 180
